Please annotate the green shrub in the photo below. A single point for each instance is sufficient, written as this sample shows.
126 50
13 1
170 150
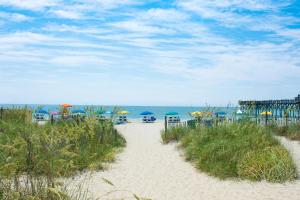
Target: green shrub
292 131
16 115
273 164
226 151
40 154
173 134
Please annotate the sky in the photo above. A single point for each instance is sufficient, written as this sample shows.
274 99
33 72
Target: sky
133 52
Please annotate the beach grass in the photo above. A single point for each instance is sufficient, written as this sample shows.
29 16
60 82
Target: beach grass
292 131
33 157
241 150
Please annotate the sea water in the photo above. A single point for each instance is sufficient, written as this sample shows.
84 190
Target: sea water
135 111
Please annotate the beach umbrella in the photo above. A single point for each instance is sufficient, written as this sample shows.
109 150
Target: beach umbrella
220 113
171 113
266 113
196 114
239 112
109 112
201 114
146 113
41 111
123 112
206 114
100 111
66 105
54 113
78 111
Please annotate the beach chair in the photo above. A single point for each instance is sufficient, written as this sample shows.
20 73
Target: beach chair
122 119
39 116
173 121
145 119
152 119
148 119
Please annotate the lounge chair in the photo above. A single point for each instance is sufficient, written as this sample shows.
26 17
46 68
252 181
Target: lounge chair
39 116
153 119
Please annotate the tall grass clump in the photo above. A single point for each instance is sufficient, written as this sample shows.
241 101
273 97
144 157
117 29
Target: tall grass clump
291 131
174 134
239 150
33 157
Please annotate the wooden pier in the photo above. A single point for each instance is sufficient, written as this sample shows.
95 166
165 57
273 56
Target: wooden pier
287 110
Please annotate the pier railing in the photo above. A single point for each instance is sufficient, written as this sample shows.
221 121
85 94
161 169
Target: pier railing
276 111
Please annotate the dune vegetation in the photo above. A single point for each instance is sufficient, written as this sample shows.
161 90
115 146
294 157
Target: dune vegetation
241 150
292 131
34 157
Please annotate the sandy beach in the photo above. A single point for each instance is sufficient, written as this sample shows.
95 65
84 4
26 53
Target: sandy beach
152 170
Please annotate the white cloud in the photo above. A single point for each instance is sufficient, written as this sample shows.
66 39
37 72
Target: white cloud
166 46
163 15
76 9
227 11
15 17
210 63
265 64
30 4
254 5
67 14
290 33
93 30
109 4
141 27
77 60
26 38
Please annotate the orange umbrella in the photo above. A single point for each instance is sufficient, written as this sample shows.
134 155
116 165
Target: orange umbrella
66 105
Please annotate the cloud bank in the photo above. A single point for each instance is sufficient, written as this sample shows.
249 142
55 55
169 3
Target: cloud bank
181 52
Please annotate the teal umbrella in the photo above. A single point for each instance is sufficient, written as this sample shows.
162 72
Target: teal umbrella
78 111
171 113
221 114
100 112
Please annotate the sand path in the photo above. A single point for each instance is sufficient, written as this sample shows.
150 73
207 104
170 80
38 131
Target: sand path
155 171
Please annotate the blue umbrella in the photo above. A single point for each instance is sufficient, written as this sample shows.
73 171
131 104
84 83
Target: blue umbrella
78 111
146 113
41 111
172 113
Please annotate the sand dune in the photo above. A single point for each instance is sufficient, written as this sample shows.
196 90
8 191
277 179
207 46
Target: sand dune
155 171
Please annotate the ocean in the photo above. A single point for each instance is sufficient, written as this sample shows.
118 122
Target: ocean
134 111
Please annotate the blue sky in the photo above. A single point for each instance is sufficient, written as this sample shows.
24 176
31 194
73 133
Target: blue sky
132 52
